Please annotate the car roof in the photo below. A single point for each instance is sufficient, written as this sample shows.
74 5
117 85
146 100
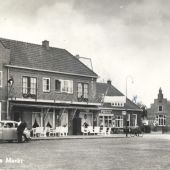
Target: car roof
8 121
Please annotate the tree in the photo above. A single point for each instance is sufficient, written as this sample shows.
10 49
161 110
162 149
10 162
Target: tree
144 110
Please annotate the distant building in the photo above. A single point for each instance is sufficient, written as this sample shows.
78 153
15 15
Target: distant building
159 112
116 111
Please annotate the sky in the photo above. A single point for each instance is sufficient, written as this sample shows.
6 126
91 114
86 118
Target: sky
128 41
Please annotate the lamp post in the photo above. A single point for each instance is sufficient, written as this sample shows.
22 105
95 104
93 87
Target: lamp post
125 112
131 78
10 83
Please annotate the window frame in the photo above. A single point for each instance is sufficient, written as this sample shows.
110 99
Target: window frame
84 91
67 86
160 106
48 84
161 119
57 90
134 121
30 88
119 121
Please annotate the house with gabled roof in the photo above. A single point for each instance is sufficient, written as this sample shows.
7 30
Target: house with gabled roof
116 110
46 86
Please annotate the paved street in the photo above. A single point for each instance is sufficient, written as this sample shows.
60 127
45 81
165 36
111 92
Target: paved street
137 153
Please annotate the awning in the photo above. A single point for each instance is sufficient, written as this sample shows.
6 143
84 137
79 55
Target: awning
54 106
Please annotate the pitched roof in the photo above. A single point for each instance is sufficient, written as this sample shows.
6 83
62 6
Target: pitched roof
36 56
107 89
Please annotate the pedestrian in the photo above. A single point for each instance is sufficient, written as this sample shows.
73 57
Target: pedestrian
20 131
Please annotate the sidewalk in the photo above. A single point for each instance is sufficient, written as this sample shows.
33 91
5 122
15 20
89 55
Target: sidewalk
157 135
147 135
79 137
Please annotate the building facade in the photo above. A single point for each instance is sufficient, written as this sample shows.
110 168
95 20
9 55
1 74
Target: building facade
45 86
116 110
159 112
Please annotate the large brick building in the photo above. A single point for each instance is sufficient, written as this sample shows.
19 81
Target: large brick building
44 85
159 112
48 86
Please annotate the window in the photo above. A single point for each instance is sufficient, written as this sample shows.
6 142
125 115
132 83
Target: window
57 85
161 120
0 110
80 90
67 86
128 120
46 84
160 108
29 87
83 91
106 120
134 120
1 78
119 121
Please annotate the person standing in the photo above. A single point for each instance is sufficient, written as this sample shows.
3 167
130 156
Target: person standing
20 131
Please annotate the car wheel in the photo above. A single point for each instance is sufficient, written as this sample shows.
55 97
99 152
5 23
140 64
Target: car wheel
10 141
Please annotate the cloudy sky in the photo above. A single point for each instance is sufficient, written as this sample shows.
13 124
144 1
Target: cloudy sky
124 38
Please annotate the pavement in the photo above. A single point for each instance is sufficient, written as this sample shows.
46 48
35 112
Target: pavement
148 135
79 137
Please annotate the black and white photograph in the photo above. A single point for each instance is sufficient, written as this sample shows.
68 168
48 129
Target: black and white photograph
84 85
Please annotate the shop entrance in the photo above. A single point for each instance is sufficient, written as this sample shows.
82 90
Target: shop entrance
77 126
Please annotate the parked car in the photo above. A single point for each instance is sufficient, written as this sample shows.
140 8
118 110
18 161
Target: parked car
8 131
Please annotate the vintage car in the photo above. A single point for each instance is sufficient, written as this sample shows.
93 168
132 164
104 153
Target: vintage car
8 131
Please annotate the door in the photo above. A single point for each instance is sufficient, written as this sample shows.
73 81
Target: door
9 131
77 126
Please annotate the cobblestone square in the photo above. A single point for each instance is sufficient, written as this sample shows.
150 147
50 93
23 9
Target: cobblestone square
138 153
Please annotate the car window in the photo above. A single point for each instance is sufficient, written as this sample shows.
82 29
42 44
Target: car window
16 124
1 124
8 125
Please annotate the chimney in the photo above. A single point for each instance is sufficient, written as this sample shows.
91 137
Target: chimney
77 56
109 82
45 44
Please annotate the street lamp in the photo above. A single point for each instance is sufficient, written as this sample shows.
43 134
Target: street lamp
125 112
131 78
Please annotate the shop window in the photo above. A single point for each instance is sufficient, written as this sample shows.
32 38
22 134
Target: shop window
119 121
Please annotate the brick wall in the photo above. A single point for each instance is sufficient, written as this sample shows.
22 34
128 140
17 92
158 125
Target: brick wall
52 95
